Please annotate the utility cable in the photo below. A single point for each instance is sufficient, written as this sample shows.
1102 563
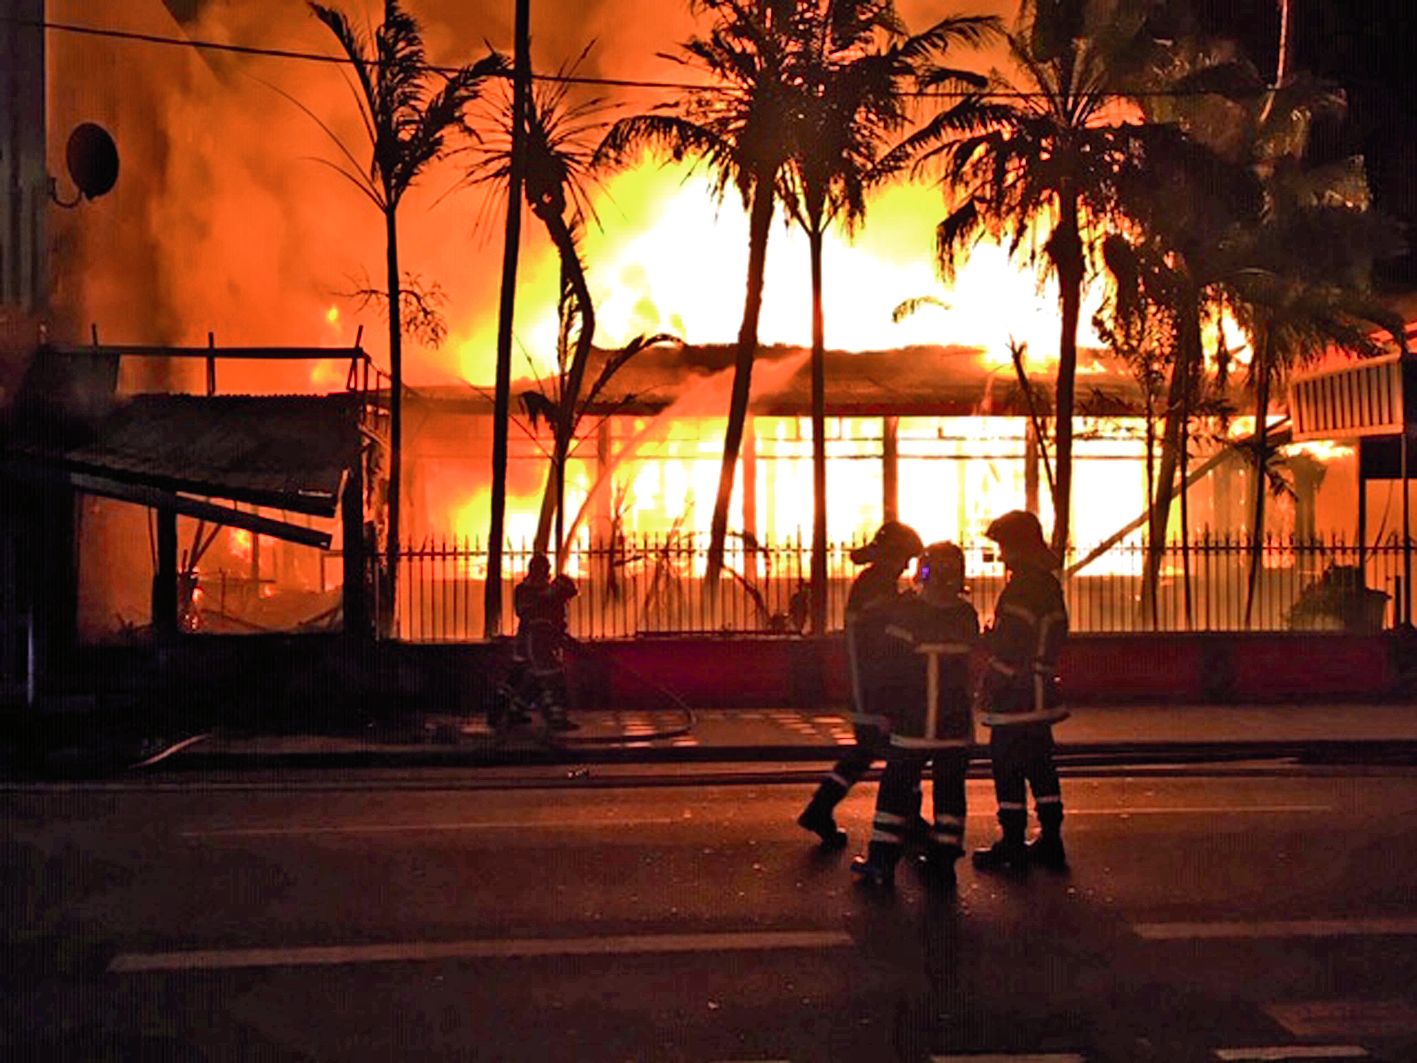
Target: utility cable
199 44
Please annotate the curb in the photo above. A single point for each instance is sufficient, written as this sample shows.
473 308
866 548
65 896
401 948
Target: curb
196 760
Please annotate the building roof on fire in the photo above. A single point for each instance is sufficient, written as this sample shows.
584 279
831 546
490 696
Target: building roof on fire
287 451
911 381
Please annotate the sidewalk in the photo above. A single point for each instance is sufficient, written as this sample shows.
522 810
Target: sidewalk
1148 732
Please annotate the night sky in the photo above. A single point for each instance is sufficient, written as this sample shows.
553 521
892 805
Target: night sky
1367 46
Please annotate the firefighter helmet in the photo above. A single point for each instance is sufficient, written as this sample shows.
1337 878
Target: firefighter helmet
1020 539
940 571
893 541
539 567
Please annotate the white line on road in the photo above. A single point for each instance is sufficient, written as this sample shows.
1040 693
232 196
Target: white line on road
1194 810
1283 1052
407 828
1285 928
509 949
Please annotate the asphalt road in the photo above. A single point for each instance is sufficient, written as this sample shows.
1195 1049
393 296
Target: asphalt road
364 919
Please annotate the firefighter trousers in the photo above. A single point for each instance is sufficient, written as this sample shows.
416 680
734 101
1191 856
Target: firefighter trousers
1022 758
898 802
872 744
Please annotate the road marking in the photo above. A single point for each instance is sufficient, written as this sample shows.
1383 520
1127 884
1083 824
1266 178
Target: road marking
403 828
1194 810
1055 1057
1284 928
1346 1018
509 949
1283 1052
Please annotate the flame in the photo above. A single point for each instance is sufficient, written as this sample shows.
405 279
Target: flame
241 543
668 258
1323 450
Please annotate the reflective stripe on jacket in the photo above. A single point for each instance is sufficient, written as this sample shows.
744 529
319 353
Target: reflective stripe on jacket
922 672
1030 627
872 591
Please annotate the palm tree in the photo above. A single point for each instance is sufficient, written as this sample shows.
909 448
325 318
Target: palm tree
1035 165
853 64
739 128
1287 250
557 168
409 108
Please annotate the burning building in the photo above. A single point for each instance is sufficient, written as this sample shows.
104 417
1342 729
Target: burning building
225 223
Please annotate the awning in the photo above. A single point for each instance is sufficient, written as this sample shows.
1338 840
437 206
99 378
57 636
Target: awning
188 453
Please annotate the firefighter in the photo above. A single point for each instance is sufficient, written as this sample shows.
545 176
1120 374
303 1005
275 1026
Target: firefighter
1020 697
539 650
885 557
924 647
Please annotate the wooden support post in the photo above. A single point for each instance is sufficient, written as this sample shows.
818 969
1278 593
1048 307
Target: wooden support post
1030 469
603 517
749 459
357 614
890 468
211 363
164 591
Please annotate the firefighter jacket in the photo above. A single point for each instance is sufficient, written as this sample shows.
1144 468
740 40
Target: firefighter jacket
541 622
871 591
922 671
1030 627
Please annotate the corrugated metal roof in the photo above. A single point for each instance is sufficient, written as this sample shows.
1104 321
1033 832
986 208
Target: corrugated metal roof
910 381
289 452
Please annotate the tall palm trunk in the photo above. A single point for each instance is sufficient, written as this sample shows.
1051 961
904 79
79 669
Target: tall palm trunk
388 608
1264 366
1173 442
819 438
759 224
502 385
553 500
1067 257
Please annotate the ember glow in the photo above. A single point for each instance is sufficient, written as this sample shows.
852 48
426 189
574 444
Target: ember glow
228 221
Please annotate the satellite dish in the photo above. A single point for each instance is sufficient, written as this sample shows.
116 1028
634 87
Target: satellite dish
93 160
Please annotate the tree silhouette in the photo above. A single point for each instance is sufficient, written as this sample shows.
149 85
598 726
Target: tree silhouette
1034 165
852 66
408 109
739 127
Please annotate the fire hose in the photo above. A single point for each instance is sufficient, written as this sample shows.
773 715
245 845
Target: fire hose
686 714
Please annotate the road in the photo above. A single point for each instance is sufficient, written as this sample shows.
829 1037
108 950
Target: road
377 918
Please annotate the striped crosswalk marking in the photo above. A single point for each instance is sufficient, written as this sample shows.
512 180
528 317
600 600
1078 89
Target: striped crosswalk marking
1346 1018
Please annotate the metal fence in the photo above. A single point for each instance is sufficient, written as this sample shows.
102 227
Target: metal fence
653 586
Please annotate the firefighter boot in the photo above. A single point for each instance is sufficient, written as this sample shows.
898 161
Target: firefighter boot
1006 854
817 816
937 866
875 869
1009 852
1047 851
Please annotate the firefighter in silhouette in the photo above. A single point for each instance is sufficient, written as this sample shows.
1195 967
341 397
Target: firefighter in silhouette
1020 697
886 556
539 678
923 642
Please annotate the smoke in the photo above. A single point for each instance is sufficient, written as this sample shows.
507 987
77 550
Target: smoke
227 218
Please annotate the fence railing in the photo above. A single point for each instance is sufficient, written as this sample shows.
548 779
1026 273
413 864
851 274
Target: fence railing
653 586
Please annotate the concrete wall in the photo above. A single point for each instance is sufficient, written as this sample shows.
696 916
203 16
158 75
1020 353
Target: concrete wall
329 682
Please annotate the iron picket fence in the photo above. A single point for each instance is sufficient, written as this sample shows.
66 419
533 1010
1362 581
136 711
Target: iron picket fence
653 585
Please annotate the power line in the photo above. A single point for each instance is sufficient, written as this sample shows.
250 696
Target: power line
198 44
